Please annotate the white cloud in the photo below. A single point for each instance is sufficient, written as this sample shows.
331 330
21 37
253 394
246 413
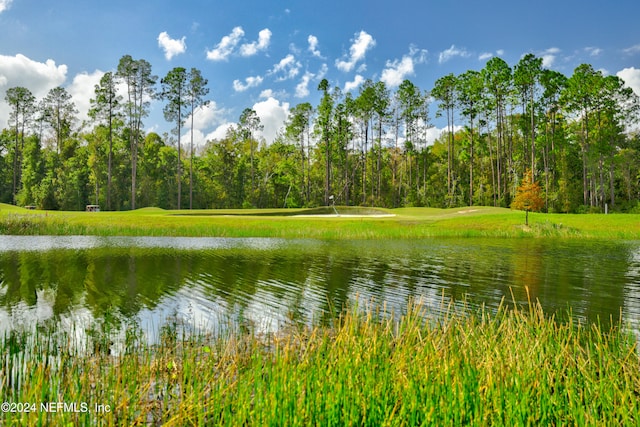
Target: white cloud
358 50
249 82
82 89
632 50
488 55
434 133
38 77
593 51
322 72
631 77
357 81
170 46
4 5
398 70
206 117
288 68
549 56
250 49
302 88
267 93
225 48
313 46
272 115
451 53
219 133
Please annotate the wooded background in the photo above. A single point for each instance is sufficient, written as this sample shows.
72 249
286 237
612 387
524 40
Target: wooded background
576 133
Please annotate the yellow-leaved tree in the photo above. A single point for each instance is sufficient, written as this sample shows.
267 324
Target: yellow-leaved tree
528 196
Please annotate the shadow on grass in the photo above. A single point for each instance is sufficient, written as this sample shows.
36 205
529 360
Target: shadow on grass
325 210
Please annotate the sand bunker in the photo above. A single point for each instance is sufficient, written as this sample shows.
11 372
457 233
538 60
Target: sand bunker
344 216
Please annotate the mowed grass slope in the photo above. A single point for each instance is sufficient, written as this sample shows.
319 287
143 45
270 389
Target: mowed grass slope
352 223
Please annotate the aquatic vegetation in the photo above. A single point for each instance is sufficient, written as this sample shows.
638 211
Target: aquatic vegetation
510 366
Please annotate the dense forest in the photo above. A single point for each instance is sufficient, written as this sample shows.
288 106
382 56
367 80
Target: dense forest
365 148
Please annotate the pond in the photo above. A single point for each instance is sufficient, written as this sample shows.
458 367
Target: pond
211 283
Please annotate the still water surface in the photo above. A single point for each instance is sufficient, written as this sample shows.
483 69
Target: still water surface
211 282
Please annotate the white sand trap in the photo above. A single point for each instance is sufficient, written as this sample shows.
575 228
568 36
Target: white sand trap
345 216
467 211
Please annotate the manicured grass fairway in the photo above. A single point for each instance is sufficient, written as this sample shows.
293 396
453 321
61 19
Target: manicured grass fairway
406 223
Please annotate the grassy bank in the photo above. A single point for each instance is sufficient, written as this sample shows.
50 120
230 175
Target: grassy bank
506 368
403 223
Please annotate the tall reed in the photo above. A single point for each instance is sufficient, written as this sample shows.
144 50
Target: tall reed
513 366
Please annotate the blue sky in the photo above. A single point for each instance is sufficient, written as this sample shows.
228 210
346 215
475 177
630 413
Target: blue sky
271 55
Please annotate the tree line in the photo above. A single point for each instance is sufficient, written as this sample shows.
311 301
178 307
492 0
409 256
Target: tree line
365 148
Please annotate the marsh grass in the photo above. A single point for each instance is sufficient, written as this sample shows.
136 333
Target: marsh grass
368 367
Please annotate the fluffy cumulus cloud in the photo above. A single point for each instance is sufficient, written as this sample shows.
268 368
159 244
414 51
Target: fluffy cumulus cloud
313 46
171 47
208 124
287 68
631 77
549 56
4 5
249 82
250 49
451 53
302 88
357 81
207 116
267 93
488 55
322 72
38 77
357 52
227 44
220 132
82 89
272 115
398 70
